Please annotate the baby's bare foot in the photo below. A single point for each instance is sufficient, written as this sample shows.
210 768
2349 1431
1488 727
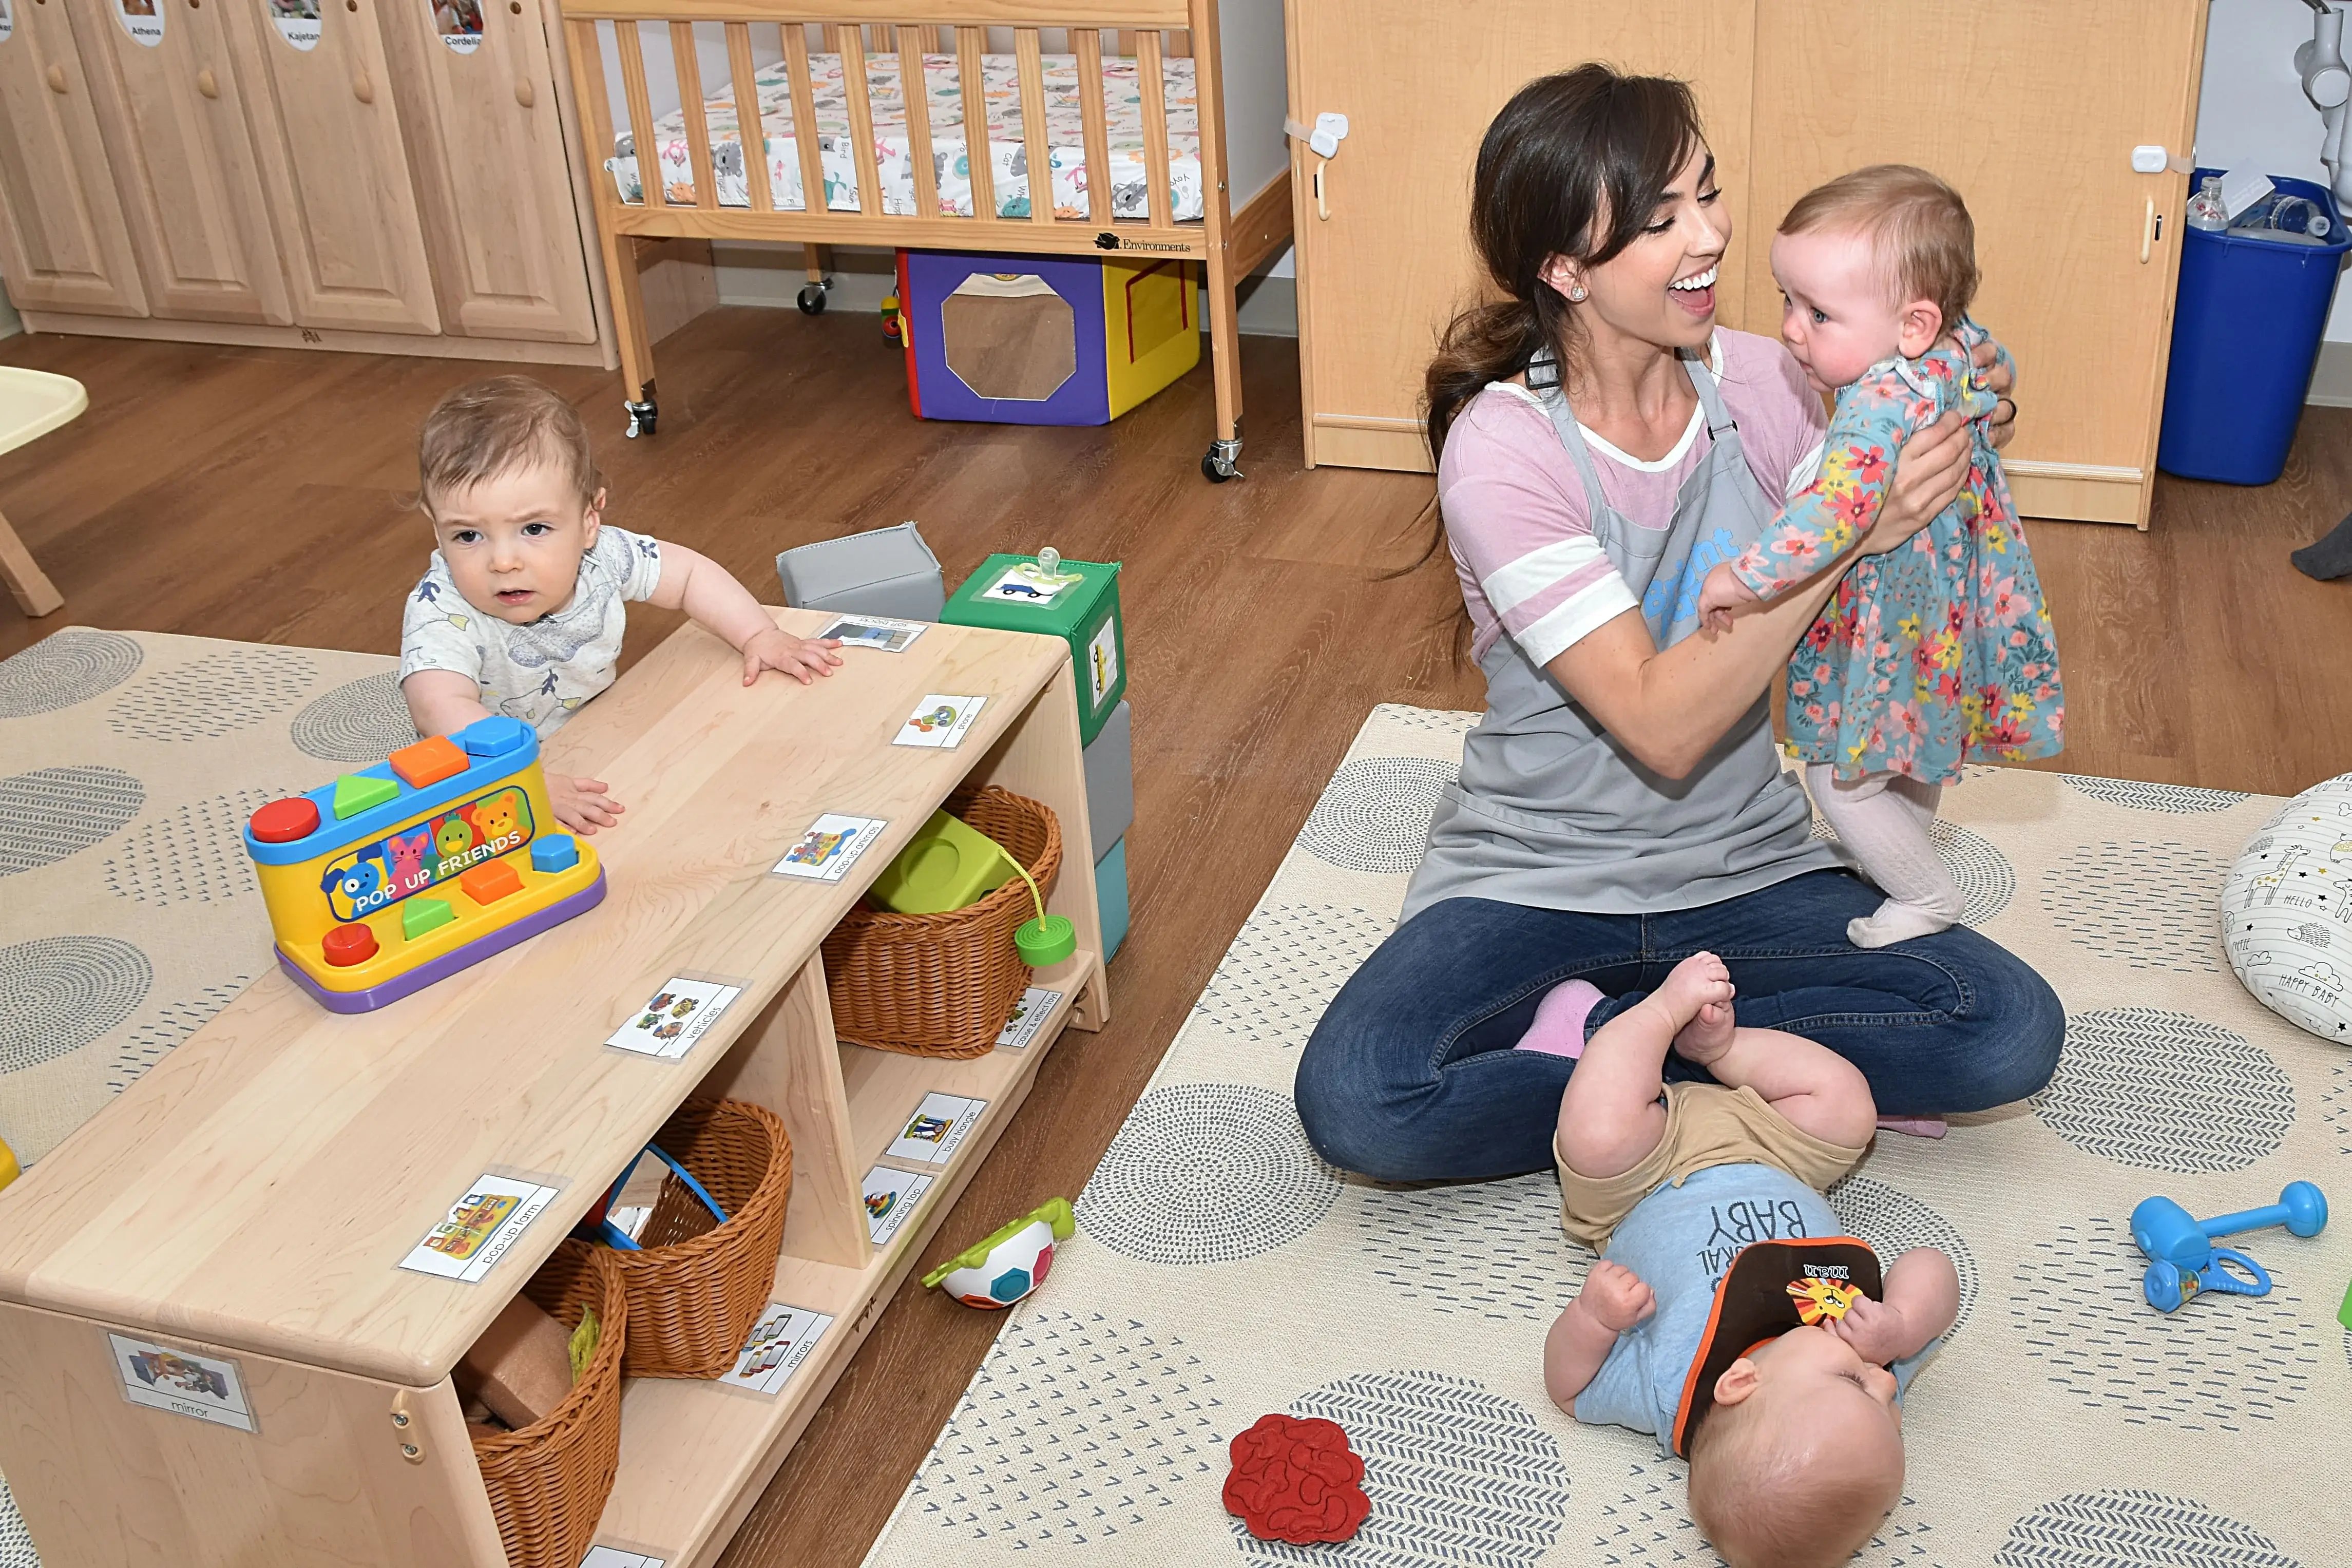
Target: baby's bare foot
1699 994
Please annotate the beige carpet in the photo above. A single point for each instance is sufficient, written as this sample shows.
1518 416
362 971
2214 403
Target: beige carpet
1222 1271
129 914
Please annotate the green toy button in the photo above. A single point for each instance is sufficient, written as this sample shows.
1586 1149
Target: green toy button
1042 943
418 916
355 793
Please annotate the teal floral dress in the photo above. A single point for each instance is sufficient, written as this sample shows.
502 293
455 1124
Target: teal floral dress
1939 652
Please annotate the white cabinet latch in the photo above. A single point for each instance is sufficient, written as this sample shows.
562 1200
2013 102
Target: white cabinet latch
2153 160
1329 130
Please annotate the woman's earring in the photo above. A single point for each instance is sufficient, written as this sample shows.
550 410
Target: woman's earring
1576 294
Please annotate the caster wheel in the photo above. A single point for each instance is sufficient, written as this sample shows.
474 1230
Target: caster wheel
812 300
1222 461
1209 470
642 417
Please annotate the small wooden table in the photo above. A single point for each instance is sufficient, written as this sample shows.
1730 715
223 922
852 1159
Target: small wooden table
251 1197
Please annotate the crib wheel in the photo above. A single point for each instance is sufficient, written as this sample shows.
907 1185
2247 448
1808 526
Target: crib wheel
813 300
642 417
1220 462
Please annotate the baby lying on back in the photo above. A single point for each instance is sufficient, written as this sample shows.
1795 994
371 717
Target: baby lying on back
1727 1316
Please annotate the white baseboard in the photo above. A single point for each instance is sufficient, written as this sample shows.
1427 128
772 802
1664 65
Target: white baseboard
2331 380
773 275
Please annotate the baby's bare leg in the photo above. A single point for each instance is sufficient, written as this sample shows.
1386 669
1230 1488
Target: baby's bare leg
1610 1116
1925 1288
1816 1088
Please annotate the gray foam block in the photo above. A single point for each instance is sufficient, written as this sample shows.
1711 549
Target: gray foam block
1110 780
887 571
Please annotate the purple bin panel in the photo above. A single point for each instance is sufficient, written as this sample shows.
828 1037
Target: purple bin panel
1024 345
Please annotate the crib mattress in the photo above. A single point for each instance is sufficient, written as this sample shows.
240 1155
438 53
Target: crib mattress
1008 153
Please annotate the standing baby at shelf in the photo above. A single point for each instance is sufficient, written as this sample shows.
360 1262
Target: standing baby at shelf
521 611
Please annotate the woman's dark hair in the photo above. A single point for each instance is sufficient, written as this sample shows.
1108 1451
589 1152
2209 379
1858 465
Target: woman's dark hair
1573 165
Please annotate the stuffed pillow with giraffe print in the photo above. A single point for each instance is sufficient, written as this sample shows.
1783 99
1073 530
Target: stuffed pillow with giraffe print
2286 911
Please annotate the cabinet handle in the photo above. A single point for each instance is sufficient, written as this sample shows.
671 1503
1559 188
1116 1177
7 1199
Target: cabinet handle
206 84
523 94
56 78
1321 211
362 88
2147 233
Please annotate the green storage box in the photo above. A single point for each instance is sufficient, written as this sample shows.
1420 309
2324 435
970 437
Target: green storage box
1084 613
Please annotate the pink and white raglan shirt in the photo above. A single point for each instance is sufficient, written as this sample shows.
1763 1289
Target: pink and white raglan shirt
1518 521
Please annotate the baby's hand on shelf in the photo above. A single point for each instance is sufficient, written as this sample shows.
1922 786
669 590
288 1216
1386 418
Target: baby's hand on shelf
1616 1297
1877 1331
800 657
582 805
1721 594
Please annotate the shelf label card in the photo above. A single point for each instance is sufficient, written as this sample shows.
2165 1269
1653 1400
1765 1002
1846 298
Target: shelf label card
679 1014
164 1377
937 1129
780 1341
890 1197
879 632
620 1557
830 846
939 721
1029 1016
481 1226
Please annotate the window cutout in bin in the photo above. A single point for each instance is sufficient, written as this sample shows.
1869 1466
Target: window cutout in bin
296 22
459 22
143 19
1008 335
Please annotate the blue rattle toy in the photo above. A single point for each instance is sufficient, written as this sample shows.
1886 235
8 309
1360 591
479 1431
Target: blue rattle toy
2182 1260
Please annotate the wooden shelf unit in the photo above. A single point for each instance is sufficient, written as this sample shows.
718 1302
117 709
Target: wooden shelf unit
323 1147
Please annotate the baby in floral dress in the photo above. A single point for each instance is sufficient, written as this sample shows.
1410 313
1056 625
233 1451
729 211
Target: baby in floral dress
1938 652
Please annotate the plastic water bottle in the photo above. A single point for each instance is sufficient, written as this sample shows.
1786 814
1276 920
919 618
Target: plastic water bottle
2300 215
2205 209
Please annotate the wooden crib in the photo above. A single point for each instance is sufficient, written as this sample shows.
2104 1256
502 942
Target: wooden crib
1229 240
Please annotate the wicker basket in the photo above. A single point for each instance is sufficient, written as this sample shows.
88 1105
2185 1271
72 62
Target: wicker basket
693 1298
547 1483
944 984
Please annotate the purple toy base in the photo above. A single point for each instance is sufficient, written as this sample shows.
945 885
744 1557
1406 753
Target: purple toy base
450 962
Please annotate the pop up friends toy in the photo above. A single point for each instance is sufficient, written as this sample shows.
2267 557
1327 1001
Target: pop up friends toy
404 873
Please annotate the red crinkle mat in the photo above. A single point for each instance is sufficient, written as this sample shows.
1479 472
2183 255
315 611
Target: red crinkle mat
1297 1481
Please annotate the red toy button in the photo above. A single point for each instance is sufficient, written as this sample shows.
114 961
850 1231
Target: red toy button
284 821
1297 1481
349 945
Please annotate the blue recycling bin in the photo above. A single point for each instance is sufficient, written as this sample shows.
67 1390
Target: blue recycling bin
2246 336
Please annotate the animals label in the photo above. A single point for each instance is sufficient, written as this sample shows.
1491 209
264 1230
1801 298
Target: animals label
679 1014
890 1197
1102 662
481 1226
202 1387
1029 1016
830 846
780 1341
360 881
1028 583
937 1129
939 722
878 632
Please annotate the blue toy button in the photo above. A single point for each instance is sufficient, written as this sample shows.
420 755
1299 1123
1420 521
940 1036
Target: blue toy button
556 852
494 736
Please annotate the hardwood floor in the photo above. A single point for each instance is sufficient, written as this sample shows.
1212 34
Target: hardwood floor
259 495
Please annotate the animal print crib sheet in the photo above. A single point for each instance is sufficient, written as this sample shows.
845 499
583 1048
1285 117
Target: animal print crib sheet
1008 153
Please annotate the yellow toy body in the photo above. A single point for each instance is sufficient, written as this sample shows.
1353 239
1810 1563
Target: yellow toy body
402 874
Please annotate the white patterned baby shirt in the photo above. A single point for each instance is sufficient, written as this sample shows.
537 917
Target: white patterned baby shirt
541 672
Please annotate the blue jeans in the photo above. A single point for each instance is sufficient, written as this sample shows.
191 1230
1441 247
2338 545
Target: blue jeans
1410 1075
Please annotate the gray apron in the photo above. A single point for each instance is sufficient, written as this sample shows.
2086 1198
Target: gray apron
1550 811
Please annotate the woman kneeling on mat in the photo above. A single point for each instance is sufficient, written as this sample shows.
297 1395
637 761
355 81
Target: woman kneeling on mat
1601 444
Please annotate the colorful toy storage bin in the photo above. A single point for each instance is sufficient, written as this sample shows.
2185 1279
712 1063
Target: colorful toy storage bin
1033 340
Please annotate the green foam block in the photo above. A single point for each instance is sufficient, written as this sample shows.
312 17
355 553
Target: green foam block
946 865
355 793
418 916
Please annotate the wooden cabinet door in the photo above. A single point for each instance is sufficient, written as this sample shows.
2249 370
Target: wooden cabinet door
493 176
1382 274
63 243
175 132
335 165
2032 112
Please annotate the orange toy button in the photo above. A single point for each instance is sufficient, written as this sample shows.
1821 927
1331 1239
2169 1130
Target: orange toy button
428 762
349 945
490 881
284 821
